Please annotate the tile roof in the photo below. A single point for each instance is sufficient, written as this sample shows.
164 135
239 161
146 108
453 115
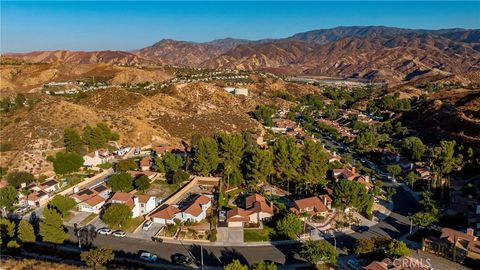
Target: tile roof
311 202
237 215
143 198
195 208
250 200
95 200
166 212
145 162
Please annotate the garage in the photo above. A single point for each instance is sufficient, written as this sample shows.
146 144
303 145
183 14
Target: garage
235 224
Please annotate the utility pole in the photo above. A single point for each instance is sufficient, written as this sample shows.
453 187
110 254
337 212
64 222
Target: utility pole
201 255
411 225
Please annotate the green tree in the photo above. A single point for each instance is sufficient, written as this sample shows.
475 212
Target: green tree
117 215
263 265
394 170
314 164
126 165
235 265
7 229
25 232
412 177
171 162
289 226
259 167
16 179
121 182
430 212
142 183
158 165
364 245
367 140
62 204
390 193
398 248
8 196
351 194
319 252
65 163
264 114
414 147
107 132
206 156
94 138
73 141
96 258
331 111
51 227
231 148
287 158
444 160
180 176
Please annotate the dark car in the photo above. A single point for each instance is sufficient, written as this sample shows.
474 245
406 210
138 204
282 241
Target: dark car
361 229
181 259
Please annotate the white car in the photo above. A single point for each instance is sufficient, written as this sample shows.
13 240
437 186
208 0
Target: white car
22 210
376 200
149 257
119 234
104 231
147 225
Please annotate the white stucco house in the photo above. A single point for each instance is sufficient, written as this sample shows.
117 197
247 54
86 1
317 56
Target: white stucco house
97 157
195 211
139 204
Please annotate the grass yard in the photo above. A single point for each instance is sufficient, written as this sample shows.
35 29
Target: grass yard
162 189
258 235
88 219
134 224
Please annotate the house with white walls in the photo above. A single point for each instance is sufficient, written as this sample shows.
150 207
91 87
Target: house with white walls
139 204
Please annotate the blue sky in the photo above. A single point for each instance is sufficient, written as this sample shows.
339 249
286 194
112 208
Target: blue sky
28 26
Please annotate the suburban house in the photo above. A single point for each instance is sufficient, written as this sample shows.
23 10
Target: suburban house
392 158
467 245
402 263
136 174
145 163
424 173
256 209
352 175
50 185
96 158
194 211
92 200
311 206
332 156
139 204
37 198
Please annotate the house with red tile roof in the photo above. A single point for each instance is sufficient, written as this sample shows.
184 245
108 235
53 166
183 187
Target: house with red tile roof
98 157
256 209
311 206
351 175
467 245
92 199
160 150
194 210
139 204
146 163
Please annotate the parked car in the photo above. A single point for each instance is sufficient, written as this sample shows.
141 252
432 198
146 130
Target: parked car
354 264
376 200
149 257
181 259
22 210
104 231
119 233
147 225
361 229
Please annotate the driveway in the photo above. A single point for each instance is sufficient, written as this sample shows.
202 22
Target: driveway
98 223
141 233
230 235
79 216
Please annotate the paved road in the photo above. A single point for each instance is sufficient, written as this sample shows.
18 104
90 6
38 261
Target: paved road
396 225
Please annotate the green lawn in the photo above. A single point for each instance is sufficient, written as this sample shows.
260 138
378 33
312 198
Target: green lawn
88 219
258 235
134 224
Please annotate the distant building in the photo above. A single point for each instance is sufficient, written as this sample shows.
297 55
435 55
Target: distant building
96 158
237 91
466 245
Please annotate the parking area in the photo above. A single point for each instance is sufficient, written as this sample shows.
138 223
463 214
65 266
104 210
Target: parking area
141 233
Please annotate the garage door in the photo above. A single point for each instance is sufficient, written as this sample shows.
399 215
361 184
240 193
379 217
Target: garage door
235 224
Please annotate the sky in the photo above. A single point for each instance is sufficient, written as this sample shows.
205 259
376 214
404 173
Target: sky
30 26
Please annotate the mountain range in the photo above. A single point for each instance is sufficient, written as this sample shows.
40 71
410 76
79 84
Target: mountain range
375 53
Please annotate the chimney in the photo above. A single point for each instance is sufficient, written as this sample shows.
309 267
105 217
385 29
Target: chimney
470 231
135 200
